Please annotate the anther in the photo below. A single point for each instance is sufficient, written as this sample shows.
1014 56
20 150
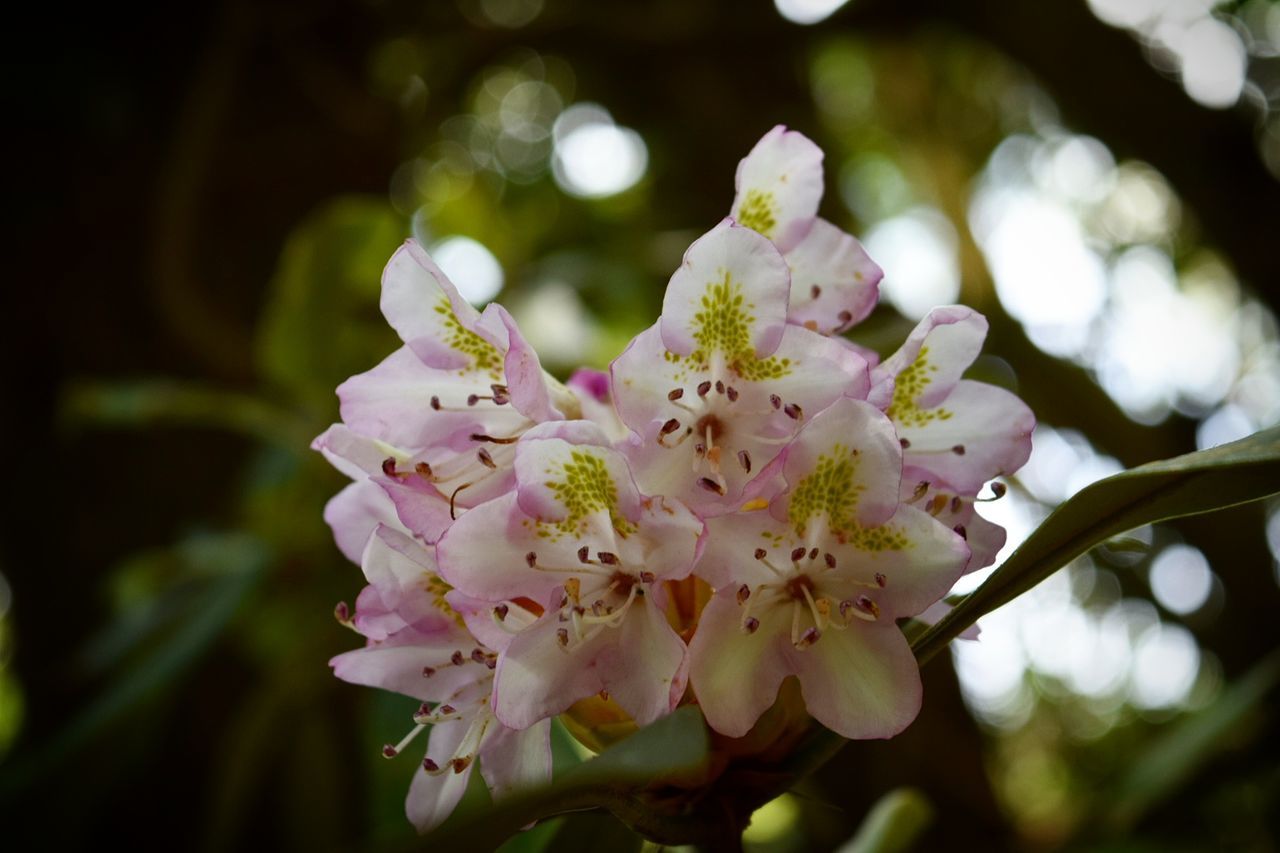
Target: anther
477 656
675 394
775 401
531 558
830 559
761 553
562 635
744 592
422 469
711 485
751 625
744 459
389 466
460 764
607 557
880 580
670 426
815 291
797 554
342 612
584 554
447 710
866 605
964 534
501 394
793 411
921 488
813 553
998 490
389 751
456 658
904 443
719 386
430 766
428 671
485 459
956 504
435 402
845 318
808 638
958 450
731 393
647 577
472 399
704 387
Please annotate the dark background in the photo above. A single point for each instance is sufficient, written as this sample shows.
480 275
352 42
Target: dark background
167 359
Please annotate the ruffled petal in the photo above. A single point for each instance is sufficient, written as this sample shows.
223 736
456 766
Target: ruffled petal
834 283
354 512
399 665
728 299
652 669
932 359
862 682
779 185
485 554
976 433
736 675
538 678
568 483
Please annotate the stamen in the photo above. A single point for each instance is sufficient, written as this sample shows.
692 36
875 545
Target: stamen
830 560
485 459
964 534
905 444
731 393
921 489
479 436
998 491
531 558
815 291
453 498
704 387
813 553
422 469
389 466
744 592
562 635
390 751
675 394
573 589
880 580
500 612
744 459
751 624
793 411
719 386
797 554
457 658
584 554
647 577
501 394
670 426
845 318
435 402
607 558
342 613
761 553
956 503
775 401
808 638
428 671
958 450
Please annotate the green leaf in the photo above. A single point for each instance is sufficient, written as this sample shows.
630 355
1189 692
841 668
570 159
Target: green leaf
1204 481
321 323
674 747
893 824
1188 745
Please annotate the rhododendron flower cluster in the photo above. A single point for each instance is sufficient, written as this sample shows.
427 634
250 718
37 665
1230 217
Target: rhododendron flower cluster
743 497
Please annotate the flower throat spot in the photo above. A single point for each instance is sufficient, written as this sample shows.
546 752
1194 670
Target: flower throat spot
759 212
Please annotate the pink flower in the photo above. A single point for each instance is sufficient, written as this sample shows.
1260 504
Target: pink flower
717 387
578 538
419 646
834 284
812 586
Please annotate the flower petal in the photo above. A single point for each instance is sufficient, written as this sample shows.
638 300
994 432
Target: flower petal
354 512
479 553
568 483
736 675
834 283
932 359
398 665
728 299
512 760
978 432
862 682
779 185
843 469
432 798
